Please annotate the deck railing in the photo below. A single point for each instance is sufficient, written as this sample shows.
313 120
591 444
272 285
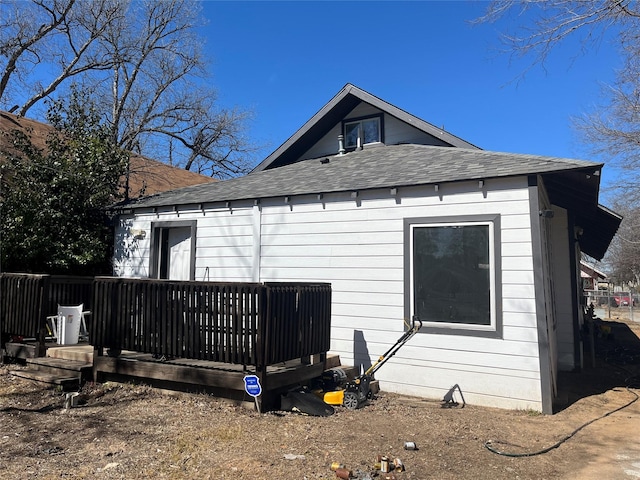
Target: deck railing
239 323
27 299
69 290
297 322
22 306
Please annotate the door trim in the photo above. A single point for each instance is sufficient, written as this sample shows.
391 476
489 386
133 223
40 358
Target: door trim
156 230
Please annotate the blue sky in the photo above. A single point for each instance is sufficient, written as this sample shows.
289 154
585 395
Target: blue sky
285 60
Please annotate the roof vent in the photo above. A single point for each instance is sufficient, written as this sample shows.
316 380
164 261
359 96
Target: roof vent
324 161
341 149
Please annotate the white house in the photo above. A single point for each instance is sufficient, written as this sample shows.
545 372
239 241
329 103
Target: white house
403 219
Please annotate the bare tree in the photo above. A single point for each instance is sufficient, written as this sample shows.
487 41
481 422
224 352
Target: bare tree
142 61
539 26
613 128
23 28
623 256
157 91
78 50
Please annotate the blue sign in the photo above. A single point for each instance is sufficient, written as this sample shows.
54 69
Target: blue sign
252 385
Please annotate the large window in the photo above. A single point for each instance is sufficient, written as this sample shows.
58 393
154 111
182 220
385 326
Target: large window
452 273
362 131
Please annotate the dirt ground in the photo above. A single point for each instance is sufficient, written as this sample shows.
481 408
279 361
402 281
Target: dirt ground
130 431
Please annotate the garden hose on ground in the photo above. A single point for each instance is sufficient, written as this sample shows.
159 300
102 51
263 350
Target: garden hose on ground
490 443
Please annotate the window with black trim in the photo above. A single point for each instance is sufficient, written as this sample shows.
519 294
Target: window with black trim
362 131
453 272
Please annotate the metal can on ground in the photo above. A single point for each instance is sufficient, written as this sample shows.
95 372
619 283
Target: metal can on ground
384 464
410 446
336 465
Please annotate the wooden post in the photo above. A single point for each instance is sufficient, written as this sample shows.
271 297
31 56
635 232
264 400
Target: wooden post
592 342
41 348
97 352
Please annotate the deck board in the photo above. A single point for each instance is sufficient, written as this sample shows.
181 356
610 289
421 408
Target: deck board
223 379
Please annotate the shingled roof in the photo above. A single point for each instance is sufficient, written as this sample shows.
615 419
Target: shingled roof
377 167
147 176
571 184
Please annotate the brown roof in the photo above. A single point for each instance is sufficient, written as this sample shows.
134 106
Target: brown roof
147 176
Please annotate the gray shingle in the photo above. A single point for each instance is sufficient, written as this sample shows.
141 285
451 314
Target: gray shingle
377 167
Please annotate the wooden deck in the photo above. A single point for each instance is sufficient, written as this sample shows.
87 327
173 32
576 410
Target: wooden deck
179 374
194 336
217 378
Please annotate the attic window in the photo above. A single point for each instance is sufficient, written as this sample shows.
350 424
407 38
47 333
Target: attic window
362 131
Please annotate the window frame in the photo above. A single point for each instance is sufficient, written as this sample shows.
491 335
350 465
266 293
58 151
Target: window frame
494 329
359 120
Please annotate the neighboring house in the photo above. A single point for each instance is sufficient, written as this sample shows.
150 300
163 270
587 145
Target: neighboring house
403 219
591 276
146 177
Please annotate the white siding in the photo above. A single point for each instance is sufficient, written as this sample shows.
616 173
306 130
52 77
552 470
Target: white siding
358 246
132 246
396 131
563 278
224 243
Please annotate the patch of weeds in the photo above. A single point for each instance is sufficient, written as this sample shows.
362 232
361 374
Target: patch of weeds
190 443
530 412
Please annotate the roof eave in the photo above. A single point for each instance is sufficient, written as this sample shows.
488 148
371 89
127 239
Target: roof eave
599 226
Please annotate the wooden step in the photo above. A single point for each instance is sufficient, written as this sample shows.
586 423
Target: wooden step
374 386
57 366
56 371
81 353
332 361
21 350
67 383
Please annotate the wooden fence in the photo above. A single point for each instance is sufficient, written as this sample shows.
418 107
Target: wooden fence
239 323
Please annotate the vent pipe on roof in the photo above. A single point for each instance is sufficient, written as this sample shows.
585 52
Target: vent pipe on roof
341 149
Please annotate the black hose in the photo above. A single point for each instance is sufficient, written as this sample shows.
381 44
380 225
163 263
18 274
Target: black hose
489 444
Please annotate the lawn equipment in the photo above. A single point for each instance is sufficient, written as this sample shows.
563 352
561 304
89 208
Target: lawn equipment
337 390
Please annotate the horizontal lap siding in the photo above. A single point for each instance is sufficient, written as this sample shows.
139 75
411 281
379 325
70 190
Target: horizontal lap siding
358 247
224 244
131 256
562 281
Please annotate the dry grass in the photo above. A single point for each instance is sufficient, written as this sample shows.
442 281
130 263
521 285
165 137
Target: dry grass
131 431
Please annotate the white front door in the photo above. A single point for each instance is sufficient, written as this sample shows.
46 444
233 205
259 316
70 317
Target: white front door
173 250
179 253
